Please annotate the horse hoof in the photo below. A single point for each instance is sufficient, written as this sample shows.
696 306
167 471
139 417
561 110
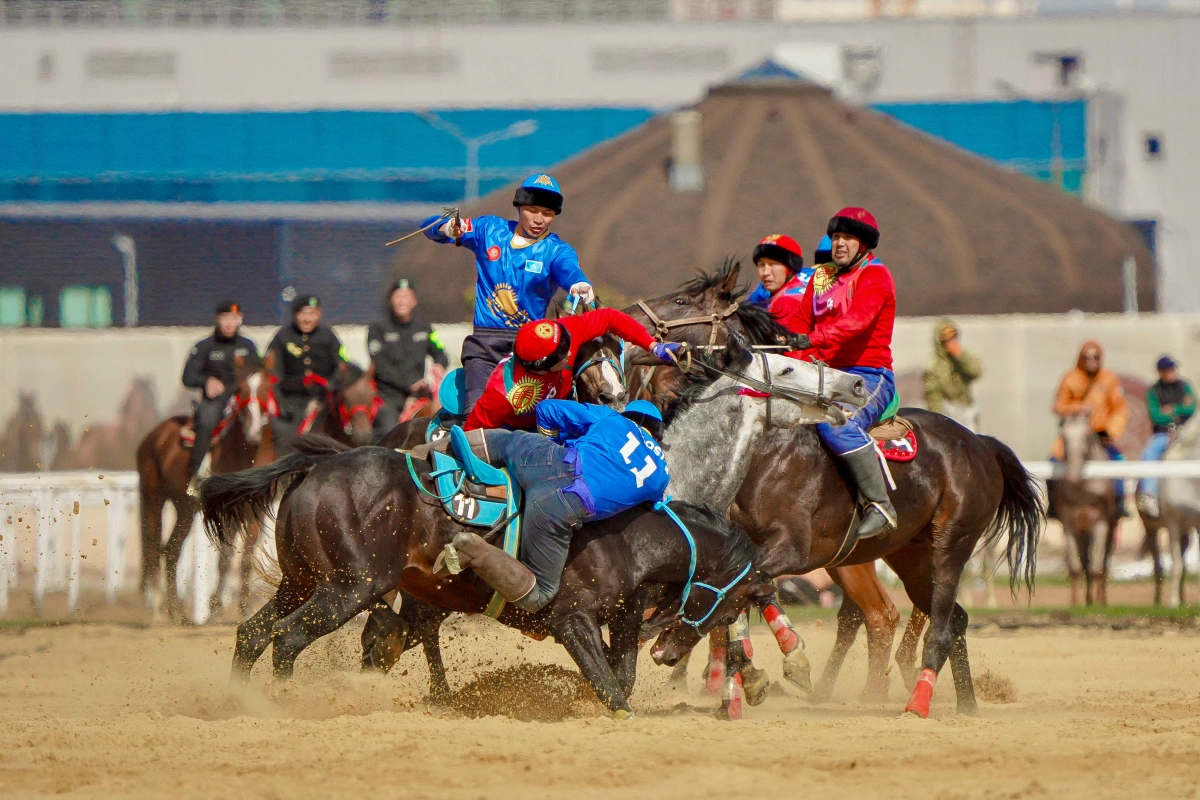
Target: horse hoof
755 684
622 714
797 672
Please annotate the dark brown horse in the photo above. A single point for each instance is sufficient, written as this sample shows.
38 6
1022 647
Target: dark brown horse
162 464
793 502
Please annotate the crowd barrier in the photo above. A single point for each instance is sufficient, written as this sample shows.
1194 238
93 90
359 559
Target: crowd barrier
42 518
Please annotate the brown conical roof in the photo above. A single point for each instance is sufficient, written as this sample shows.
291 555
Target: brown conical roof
961 235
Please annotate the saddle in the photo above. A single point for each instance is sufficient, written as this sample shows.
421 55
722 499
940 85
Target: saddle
471 491
894 435
452 395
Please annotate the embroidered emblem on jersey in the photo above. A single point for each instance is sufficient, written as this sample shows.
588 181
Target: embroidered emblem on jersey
544 180
374 346
503 303
535 267
294 349
493 253
823 278
216 355
391 336
241 352
525 394
420 336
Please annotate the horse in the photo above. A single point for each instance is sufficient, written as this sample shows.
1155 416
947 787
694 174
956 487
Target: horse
162 463
703 313
21 445
111 445
1088 511
347 411
786 491
353 525
1179 514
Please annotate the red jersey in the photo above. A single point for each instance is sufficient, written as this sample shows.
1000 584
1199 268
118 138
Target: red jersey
786 301
512 393
849 317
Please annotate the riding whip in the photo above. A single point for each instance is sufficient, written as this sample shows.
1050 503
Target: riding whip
447 213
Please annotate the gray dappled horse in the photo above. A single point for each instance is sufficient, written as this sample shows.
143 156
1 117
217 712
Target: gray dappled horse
1087 509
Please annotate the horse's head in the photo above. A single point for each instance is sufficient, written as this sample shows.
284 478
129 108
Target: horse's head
598 375
1080 443
254 402
726 582
792 392
358 404
701 313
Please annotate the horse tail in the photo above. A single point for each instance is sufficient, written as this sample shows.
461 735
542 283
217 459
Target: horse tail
1021 513
232 503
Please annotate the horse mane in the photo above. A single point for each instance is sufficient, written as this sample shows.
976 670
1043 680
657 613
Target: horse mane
760 325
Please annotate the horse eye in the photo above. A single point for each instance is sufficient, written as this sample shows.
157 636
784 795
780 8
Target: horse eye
788 371
681 301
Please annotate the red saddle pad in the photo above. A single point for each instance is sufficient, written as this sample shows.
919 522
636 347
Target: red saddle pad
900 449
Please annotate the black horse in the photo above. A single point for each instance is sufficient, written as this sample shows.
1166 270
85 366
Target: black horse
352 526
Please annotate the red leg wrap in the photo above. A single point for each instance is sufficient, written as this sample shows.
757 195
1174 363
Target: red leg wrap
922 694
716 671
781 626
734 697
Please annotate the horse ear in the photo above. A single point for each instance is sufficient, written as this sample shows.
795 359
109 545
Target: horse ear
728 284
736 355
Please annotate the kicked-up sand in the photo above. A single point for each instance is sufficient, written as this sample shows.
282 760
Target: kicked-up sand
110 711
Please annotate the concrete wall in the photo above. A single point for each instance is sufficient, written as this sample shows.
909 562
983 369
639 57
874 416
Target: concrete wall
74 374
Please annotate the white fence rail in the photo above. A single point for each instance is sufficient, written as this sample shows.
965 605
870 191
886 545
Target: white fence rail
41 515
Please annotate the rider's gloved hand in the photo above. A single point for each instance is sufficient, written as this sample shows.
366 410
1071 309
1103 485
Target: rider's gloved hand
663 351
799 341
584 292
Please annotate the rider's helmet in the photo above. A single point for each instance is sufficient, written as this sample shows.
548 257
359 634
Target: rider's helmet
859 223
540 190
824 252
647 415
541 344
783 249
229 307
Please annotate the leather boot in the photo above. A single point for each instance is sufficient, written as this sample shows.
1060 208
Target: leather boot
512 579
880 516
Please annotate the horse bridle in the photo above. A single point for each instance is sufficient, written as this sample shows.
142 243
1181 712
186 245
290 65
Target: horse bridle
663 327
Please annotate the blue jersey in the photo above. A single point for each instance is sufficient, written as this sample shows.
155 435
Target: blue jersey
761 297
619 463
513 284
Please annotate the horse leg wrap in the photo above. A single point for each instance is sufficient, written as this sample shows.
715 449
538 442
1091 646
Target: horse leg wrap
782 628
922 694
731 700
739 631
716 670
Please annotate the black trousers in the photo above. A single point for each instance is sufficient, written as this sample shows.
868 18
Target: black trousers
206 418
482 351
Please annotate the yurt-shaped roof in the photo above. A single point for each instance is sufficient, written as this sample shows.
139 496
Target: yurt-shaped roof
960 234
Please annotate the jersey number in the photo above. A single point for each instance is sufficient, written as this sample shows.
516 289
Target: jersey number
646 470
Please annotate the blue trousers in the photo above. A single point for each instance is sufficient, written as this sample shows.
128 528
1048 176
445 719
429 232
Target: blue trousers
1155 449
881 388
552 514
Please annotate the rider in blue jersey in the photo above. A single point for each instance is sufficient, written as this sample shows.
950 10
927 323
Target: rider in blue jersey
519 266
591 464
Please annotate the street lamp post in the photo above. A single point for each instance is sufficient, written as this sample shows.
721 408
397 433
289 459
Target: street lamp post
518 129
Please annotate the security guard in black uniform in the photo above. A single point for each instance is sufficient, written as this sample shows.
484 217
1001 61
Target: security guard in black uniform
307 357
213 366
398 345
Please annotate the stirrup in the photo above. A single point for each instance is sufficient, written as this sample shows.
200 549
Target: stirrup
889 522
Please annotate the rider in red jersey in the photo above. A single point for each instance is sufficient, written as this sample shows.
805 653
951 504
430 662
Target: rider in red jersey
846 319
543 362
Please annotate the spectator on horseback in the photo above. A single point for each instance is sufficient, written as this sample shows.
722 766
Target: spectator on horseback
398 345
304 358
542 366
845 319
781 273
590 463
519 266
1170 402
949 376
214 366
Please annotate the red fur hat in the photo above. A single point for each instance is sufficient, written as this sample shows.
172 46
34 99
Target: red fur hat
859 223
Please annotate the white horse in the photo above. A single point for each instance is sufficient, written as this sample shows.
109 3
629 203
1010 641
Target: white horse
1179 514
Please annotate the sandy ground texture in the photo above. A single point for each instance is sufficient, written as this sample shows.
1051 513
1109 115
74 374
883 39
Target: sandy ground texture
104 710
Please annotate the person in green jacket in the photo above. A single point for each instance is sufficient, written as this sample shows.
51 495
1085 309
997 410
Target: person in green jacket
1170 403
949 376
